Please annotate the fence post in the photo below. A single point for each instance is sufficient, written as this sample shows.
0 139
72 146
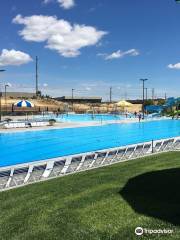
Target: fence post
152 146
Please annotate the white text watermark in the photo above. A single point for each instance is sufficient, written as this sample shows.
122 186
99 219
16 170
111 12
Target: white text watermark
140 231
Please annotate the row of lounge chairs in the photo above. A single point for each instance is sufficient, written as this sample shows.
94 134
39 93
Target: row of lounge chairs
25 124
24 174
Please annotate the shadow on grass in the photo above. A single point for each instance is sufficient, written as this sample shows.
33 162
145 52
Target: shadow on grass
155 194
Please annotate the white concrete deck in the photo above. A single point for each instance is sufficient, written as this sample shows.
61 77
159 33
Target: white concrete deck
61 125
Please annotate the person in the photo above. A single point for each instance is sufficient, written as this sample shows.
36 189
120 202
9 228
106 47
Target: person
135 114
139 116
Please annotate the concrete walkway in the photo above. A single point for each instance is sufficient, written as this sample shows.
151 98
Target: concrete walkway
61 125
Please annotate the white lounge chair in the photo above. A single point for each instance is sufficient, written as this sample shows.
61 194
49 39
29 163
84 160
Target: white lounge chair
109 158
4 177
87 161
18 177
120 154
74 164
129 152
37 173
57 168
100 158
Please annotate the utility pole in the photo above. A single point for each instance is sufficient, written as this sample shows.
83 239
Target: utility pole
5 95
37 76
110 95
73 99
146 93
1 70
0 103
153 94
143 81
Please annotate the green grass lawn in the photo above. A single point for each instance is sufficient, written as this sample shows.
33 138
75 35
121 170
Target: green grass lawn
105 203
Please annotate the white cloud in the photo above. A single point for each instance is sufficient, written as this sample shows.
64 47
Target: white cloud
88 89
102 55
66 4
13 57
174 66
47 1
119 54
59 34
115 55
9 84
45 85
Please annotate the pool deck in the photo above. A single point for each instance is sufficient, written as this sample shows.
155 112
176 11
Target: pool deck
66 125
62 125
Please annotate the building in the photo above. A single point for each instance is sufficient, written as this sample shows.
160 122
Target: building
136 101
79 99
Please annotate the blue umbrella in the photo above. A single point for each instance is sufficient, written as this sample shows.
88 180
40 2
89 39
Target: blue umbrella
24 103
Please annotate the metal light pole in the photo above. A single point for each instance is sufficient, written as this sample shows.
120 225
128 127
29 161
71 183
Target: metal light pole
5 95
0 104
73 99
1 70
143 81
110 95
146 93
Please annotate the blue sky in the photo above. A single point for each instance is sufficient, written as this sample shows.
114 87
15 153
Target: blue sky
91 45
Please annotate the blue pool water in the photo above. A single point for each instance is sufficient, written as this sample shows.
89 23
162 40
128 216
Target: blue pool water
86 117
24 147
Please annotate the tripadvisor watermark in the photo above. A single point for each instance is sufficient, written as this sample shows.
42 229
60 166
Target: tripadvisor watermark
140 231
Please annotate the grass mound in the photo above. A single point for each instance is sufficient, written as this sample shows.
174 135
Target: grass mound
106 203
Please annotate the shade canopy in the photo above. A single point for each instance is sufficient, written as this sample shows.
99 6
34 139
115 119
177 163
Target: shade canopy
123 103
24 103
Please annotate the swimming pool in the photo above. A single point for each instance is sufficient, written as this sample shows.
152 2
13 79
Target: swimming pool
85 117
22 147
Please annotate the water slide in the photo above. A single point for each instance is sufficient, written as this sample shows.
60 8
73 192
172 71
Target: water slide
170 102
